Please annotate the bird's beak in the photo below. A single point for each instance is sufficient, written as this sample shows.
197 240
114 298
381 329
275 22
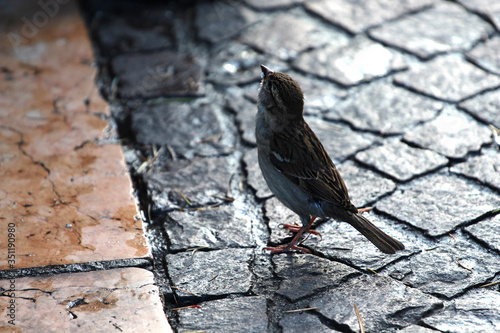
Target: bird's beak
265 71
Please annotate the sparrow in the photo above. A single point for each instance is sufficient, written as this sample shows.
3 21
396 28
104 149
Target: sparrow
297 168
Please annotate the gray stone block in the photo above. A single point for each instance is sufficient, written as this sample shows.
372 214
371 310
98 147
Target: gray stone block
438 204
188 129
446 27
155 74
359 60
382 302
401 161
201 181
213 273
449 78
304 275
214 228
243 314
287 34
453 134
357 16
486 55
487 232
484 168
382 107
484 107
449 269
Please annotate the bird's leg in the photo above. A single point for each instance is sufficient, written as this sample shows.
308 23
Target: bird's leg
366 209
292 246
296 228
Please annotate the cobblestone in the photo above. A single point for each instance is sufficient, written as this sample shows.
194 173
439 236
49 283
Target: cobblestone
449 201
181 126
303 276
485 55
458 134
190 185
458 271
485 8
356 17
443 28
206 274
459 81
401 161
466 314
201 229
380 300
244 314
286 35
384 108
485 231
351 63
483 168
484 107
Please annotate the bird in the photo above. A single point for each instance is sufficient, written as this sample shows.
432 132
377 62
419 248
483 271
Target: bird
298 169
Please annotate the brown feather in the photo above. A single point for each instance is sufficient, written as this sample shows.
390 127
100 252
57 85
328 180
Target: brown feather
311 169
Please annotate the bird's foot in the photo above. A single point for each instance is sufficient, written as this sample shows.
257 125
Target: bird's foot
296 228
286 248
366 209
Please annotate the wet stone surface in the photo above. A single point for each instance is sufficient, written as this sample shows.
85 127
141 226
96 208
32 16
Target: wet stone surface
129 33
364 185
350 63
449 202
245 111
459 81
236 64
383 303
356 17
484 107
443 28
166 73
202 181
458 271
384 108
305 275
285 35
485 8
343 243
243 314
207 274
182 126
458 134
272 4
217 228
302 321
485 55
485 231
476 311
255 178
221 20
339 140
484 168
401 161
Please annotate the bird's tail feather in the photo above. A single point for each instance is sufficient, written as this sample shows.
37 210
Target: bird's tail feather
380 239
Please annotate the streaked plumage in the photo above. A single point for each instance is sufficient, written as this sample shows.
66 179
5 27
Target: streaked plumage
296 166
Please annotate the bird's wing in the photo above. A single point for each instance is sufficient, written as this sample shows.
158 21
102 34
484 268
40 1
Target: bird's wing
298 154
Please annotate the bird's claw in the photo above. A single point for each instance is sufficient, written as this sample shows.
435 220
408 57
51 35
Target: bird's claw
296 228
286 248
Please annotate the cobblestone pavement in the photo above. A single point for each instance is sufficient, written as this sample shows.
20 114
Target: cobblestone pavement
401 93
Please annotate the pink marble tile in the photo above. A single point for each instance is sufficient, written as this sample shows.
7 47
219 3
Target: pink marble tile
62 184
118 300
